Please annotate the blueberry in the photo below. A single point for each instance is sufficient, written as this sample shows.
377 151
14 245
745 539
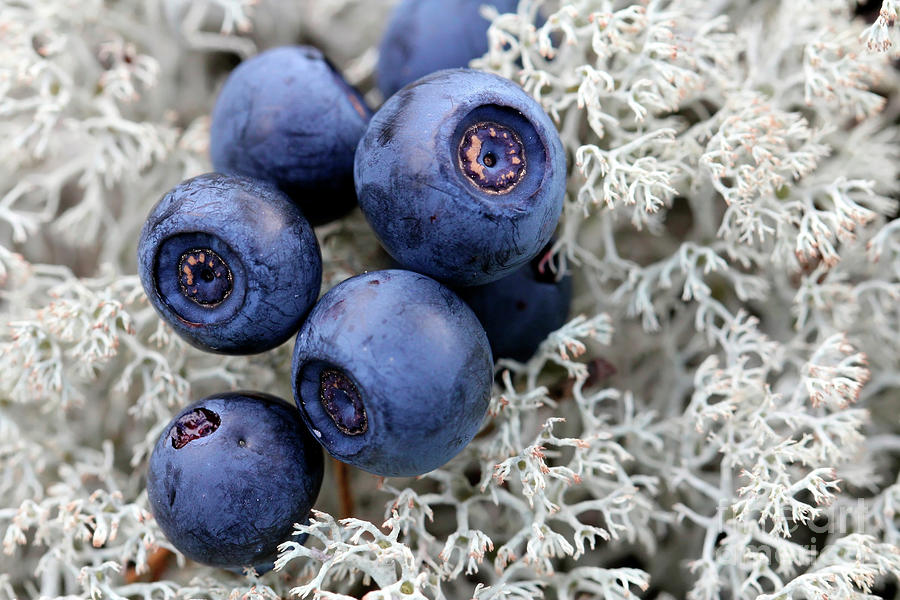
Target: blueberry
287 116
462 176
392 373
519 311
424 36
230 263
230 476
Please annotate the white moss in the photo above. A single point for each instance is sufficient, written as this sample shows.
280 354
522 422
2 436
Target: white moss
733 179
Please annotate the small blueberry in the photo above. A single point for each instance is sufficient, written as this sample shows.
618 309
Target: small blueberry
230 476
462 176
392 373
230 263
287 116
424 36
519 311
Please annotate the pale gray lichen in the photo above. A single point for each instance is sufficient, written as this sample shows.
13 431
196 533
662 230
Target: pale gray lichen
718 419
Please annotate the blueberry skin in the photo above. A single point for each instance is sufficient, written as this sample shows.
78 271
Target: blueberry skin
519 311
392 373
444 197
424 36
230 476
256 268
287 116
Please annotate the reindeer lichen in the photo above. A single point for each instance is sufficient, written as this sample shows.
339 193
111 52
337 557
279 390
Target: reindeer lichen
720 418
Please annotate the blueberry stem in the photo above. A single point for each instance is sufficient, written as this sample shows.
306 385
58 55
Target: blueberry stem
345 496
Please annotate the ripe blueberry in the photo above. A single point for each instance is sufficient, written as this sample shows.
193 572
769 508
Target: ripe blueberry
519 311
424 36
230 476
462 176
392 373
287 116
230 263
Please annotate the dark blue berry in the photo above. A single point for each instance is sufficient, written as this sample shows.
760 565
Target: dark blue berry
424 36
230 263
519 311
392 373
462 176
230 476
287 116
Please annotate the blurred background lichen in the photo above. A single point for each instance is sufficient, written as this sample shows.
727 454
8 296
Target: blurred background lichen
719 419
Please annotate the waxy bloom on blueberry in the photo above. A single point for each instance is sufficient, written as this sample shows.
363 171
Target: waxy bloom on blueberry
287 116
392 373
424 36
462 176
230 476
230 263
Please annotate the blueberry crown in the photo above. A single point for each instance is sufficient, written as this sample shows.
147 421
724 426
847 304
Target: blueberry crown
492 157
204 277
193 425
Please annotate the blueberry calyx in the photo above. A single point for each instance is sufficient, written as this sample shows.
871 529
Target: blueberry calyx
492 157
204 277
342 402
193 425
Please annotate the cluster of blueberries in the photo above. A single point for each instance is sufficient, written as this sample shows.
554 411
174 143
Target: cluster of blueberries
462 177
